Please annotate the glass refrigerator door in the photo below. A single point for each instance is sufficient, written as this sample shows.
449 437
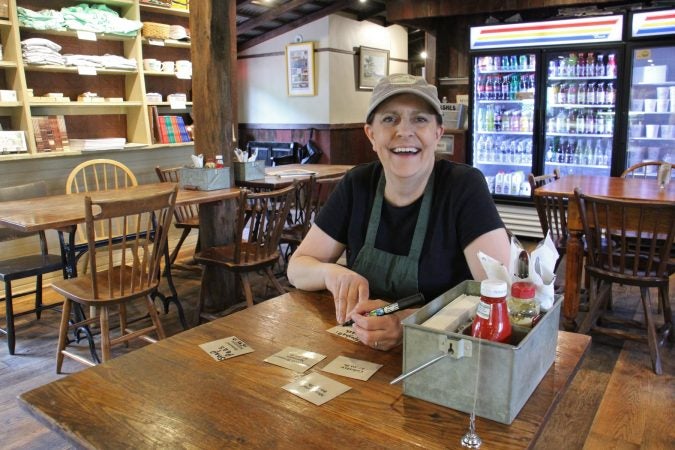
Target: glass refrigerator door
651 115
580 111
503 113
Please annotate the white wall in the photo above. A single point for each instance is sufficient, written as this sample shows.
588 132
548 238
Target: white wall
263 97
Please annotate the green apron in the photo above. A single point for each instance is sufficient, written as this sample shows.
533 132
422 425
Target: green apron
393 276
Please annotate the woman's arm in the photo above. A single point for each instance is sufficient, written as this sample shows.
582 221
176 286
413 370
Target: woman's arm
494 243
312 267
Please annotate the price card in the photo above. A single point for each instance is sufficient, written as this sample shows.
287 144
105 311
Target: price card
158 42
345 332
226 348
316 388
86 70
295 359
184 74
352 368
177 104
86 35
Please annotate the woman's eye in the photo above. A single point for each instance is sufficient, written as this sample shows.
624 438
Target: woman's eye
388 119
422 119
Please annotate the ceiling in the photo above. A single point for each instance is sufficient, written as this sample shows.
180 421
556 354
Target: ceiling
260 20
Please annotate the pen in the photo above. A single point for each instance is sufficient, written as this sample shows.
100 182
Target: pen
404 303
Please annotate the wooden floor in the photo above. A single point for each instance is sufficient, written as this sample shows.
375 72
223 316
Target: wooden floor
614 402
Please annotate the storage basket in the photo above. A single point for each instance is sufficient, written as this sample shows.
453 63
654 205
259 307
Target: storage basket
163 3
154 30
4 9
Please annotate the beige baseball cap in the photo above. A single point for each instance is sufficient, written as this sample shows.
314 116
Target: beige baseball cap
402 83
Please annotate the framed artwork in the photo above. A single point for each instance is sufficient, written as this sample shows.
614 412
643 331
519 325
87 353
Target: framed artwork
373 65
300 69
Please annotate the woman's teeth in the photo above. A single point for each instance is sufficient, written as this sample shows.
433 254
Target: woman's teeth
405 150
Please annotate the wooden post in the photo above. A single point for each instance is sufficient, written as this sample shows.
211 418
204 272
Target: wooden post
213 29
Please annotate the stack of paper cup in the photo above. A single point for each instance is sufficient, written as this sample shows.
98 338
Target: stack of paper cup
651 131
668 131
650 105
662 99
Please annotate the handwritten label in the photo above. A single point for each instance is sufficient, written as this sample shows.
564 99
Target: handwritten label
295 359
184 74
226 348
86 70
344 332
352 368
316 388
176 104
86 35
158 42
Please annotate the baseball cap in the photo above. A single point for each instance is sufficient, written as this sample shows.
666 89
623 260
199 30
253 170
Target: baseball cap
402 83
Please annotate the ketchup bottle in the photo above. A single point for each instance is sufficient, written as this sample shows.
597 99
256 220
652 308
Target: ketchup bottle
492 315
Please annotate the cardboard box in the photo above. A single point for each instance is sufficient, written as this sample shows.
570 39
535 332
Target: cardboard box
655 74
205 179
245 171
507 373
7 95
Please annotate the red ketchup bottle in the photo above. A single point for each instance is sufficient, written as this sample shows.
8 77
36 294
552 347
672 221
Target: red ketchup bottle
492 315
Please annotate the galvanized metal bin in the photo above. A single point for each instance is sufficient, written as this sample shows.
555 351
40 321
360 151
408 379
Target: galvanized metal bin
245 171
508 373
205 179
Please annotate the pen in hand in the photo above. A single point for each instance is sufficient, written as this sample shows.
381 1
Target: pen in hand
404 303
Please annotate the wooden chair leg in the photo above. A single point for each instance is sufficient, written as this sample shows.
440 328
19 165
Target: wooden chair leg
38 296
664 301
9 318
63 334
123 321
105 333
651 332
275 282
246 285
154 317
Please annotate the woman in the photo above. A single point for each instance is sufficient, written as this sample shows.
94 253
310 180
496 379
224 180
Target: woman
409 224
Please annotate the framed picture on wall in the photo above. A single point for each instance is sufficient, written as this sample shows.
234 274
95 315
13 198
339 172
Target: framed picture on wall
373 65
300 69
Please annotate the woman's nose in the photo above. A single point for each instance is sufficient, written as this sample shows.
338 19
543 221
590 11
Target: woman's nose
404 128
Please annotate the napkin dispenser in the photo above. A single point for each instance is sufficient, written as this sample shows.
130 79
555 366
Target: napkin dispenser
507 373
205 179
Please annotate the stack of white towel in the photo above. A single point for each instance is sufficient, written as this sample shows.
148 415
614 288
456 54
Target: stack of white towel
41 51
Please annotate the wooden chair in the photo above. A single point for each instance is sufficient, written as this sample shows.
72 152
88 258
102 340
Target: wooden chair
255 246
27 265
611 227
120 272
186 217
552 212
645 169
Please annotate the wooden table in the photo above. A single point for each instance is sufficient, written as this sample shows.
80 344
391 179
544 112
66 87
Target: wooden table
272 181
172 394
623 188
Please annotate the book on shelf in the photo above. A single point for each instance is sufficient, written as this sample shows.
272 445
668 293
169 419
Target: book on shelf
50 133
182 129
155 134
169 129
61 123
56 131
163 131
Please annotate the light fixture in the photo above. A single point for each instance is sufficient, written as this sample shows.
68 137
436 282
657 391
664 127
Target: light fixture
423 55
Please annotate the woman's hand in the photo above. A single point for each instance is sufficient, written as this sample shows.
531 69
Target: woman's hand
379 332
348 289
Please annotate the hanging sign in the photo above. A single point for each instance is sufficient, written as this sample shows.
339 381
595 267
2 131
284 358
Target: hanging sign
655 23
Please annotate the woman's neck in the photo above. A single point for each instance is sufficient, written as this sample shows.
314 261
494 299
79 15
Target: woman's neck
403 192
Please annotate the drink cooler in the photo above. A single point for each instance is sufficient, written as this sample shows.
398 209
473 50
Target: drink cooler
508 373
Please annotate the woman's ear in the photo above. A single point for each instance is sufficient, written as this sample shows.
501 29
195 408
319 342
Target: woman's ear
369 134
439 131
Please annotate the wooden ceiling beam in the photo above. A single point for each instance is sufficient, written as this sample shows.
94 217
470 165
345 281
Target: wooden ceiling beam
271 14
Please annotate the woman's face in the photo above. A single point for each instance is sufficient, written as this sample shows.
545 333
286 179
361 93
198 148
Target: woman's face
404 134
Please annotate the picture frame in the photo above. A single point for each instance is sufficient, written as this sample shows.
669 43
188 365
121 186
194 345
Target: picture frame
373 65
300 79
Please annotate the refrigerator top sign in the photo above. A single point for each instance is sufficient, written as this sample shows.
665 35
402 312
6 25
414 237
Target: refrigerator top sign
655 23
570 31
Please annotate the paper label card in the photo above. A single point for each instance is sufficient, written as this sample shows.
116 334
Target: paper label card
316 388
352 368
159 42
86 35
86 70
345 332
295 359
177 104
226 348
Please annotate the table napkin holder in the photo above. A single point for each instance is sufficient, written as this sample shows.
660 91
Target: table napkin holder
509 373
251 170
204 179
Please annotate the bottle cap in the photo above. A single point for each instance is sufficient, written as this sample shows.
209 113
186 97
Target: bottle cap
522 289
493 288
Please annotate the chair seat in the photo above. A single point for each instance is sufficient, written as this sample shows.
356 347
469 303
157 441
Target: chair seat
81 290
27 266
224 256
192 222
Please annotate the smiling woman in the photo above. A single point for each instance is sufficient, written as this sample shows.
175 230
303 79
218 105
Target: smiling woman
409 224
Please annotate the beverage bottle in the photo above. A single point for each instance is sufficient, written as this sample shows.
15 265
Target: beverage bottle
515 84
506 88
492 315
588 153
550 124
511 153
481 125
600 93
506 120
571 65
571 122
513 62
581 122
497 63
489 95
530 119
562 94
480 88
560 122
519 157
590 93
528 151
516 120
597 153
531 61
610 94
489 149
497 87
590 122
562 156
609 122
600 65
481 148
581 65
552 69
530 88
522 62
498 119
611 65
581 93
550 153
490 118
552 94
562 67
605 154
556 150
524 121
505 62
523 307
590 65
572 93
523 83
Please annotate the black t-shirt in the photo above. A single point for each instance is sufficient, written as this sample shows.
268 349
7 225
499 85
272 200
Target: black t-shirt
462 209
